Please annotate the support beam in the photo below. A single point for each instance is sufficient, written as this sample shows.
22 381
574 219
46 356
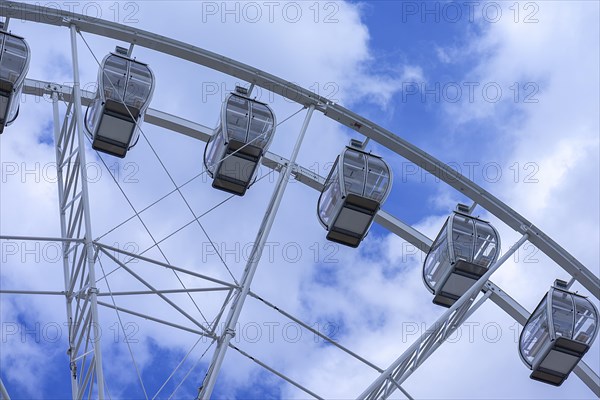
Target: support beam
62 137
158 293
40 292
588 376
154 319
253 261
85 202
106 247
167 291
41 239
423 347
403 230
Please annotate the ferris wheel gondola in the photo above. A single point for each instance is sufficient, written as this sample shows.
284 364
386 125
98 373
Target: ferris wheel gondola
558 334
125 88
14 64
234 151
463 251
357 186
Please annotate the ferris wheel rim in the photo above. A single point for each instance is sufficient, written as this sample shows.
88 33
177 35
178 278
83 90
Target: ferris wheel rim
333 111
328 108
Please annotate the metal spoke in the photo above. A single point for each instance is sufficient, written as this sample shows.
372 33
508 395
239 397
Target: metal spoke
150 234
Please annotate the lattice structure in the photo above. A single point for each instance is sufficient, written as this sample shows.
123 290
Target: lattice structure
78 254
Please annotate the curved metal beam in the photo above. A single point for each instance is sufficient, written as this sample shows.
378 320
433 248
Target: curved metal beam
36 13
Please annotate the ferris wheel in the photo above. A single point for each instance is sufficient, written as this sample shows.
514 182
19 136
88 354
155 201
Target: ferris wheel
111 119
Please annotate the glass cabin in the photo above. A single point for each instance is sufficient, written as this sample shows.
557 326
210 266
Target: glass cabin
234 151
557 334
357 186
125 88
461 254
14 64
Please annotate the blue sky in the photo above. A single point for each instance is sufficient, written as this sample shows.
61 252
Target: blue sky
411 67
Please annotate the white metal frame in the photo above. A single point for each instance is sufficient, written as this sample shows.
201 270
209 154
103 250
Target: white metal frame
392 377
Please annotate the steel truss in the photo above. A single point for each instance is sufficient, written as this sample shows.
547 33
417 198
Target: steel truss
445 326
80 251
79 255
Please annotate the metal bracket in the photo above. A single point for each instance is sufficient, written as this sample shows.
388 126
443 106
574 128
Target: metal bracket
465 209
242 90
559 283
230 332
122 51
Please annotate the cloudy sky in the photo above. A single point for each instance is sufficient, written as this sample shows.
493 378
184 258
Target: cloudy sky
507 93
